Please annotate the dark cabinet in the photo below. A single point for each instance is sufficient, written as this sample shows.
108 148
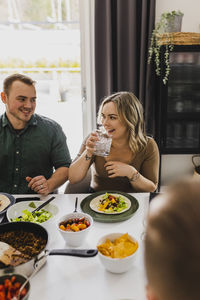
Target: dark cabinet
178 102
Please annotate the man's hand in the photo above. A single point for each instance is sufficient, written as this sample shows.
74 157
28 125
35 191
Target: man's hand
38 184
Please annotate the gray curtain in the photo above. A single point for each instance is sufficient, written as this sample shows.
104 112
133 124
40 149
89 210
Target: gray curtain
122 35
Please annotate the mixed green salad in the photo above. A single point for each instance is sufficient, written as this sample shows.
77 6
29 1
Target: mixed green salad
110 203
37 217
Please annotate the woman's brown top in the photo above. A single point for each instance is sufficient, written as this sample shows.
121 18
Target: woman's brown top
145 161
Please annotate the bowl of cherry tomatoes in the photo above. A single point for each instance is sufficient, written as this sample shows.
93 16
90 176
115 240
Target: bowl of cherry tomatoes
10 285
74 228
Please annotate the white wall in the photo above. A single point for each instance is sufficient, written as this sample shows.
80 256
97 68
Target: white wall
190 8
176 166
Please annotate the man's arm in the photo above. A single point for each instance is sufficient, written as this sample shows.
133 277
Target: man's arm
42 186
59 177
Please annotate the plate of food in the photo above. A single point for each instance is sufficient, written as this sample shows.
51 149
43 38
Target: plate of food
110 206
6 200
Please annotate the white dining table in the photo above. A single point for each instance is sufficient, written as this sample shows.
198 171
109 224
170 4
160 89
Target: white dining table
71 278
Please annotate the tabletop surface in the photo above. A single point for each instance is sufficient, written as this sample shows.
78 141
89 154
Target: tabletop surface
66 277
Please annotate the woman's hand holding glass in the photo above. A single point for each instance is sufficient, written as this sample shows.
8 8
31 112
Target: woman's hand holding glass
99 143
91 143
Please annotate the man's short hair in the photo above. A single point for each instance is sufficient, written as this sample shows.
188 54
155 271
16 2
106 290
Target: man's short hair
16 77
172 244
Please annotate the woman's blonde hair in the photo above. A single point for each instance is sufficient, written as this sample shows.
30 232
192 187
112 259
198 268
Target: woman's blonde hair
130 111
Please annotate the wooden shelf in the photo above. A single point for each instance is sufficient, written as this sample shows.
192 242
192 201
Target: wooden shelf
179 38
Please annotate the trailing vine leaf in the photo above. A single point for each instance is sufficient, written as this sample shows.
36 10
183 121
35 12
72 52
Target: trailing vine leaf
155 45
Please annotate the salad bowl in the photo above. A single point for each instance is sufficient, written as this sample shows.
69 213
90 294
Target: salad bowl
45 217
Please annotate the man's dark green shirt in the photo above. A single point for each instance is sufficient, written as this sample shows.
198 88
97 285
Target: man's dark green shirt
36 150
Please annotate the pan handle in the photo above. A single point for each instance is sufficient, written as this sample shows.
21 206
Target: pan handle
73 252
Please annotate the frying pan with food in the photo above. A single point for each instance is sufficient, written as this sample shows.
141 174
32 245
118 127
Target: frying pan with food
31 240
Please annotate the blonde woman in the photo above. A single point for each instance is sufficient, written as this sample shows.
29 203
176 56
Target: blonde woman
133 162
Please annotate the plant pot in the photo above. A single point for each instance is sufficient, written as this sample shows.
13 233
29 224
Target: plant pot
174 24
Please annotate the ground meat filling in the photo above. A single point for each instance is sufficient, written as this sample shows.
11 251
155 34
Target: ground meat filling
28 243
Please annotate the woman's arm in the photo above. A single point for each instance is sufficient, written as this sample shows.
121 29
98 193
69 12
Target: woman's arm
139 182
79 167
147 179
144 181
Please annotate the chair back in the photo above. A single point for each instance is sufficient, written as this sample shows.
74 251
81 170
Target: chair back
81 187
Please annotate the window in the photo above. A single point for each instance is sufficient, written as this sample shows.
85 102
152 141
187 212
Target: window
42 40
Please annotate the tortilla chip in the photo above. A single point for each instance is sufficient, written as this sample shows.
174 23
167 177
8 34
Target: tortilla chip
119 248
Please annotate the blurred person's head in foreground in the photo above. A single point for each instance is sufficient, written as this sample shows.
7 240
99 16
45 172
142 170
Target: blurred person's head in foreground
172 244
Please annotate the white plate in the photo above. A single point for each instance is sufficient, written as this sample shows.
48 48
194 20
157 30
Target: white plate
94 204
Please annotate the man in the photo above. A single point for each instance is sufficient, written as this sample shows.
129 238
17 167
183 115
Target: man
34 157
172 245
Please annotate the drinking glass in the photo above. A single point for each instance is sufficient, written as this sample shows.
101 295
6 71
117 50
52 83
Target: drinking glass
102 147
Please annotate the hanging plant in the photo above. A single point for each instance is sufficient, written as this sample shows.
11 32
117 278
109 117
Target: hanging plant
167 24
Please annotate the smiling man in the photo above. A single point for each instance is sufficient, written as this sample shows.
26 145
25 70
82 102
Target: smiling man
34 157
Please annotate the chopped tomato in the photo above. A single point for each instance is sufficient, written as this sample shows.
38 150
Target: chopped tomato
10 288
75 224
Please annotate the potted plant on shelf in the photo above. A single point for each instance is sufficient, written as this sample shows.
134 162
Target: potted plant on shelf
169 22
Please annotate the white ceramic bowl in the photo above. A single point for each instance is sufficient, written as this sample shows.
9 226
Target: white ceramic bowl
75 239
16 209
116 265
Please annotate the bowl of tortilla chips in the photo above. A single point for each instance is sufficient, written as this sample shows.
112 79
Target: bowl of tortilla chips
117 251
